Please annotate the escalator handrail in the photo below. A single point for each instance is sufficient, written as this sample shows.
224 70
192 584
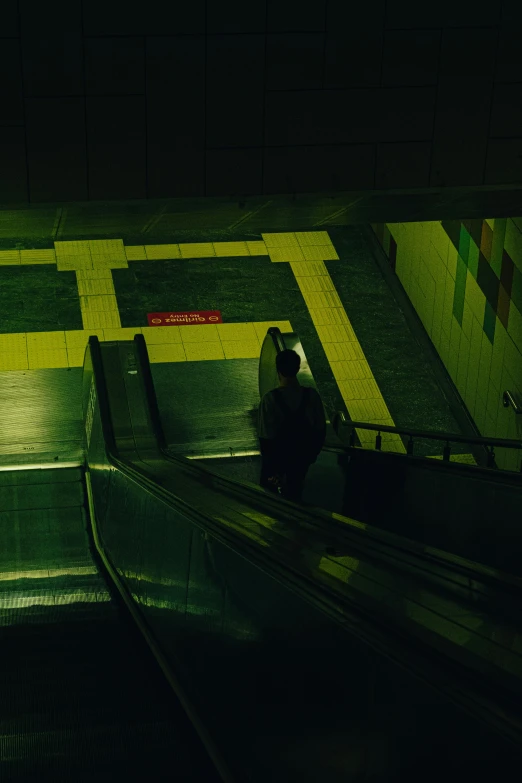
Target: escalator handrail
340 420
341 531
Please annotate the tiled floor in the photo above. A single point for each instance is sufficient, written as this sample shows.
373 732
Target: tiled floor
284 279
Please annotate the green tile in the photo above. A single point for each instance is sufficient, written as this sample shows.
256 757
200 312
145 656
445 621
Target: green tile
473 258
489 322
464 242
497 245
460 290
516 288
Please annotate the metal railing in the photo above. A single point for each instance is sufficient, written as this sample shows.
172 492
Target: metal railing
340 420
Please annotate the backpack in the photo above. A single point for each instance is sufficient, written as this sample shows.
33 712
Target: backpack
296 437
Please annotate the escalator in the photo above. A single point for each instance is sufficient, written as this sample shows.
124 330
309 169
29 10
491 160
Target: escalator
82 698
303 646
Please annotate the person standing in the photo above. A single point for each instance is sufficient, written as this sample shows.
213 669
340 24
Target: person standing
291 429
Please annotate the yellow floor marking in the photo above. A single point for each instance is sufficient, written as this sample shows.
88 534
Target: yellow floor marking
197 250
46 256
285 254
350 368
243 349
257 248
166 352
161 252
197 352
159 335
234 332
8 257
135 253
300 246
231 249
199 333
261 328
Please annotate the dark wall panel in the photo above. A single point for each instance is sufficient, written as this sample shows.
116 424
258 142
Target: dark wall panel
13 165
236 16
11 91
353 58
285 15
9 19
403 165
153 17
115 66
294 61
188 99
235 80
410 57
463 106
234 172
319 168
175 86
52 47
56 149
116 147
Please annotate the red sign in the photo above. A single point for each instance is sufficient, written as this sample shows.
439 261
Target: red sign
183 319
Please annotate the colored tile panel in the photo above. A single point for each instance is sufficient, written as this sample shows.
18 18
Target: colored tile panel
486 241
282 239
497 245
464 241
506 272
452 229
286 253
473 259
516 288
310 238
228 249
488 282
257 248
459 292
503 306
136 253
166 352
161 335
489 322
474 228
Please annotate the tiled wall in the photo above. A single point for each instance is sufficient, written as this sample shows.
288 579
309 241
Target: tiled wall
464 279
110 99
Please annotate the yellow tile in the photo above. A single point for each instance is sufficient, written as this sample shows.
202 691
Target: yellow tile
200 351
47 359
320 253
100 303
45 341
350 351
101 273
95 286
97 319
364 410
307 238
351 370
160 335
317 300
308 268
285 253
257 248
197 250
107 249
78 338
241 349
283 239
319 283
76 356
235 332
231 249
162 252
13 360
335 333
73 263
166 352
13 343
262 327
121 333
44 256
199 333
363 389
136 253
9 257
328 316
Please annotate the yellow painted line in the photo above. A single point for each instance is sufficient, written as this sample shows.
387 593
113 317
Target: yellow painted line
300 246
350 368
52 350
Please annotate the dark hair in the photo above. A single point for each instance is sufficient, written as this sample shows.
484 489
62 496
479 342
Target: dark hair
288 363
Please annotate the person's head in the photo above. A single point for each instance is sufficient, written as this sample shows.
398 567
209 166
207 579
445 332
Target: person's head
287 364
